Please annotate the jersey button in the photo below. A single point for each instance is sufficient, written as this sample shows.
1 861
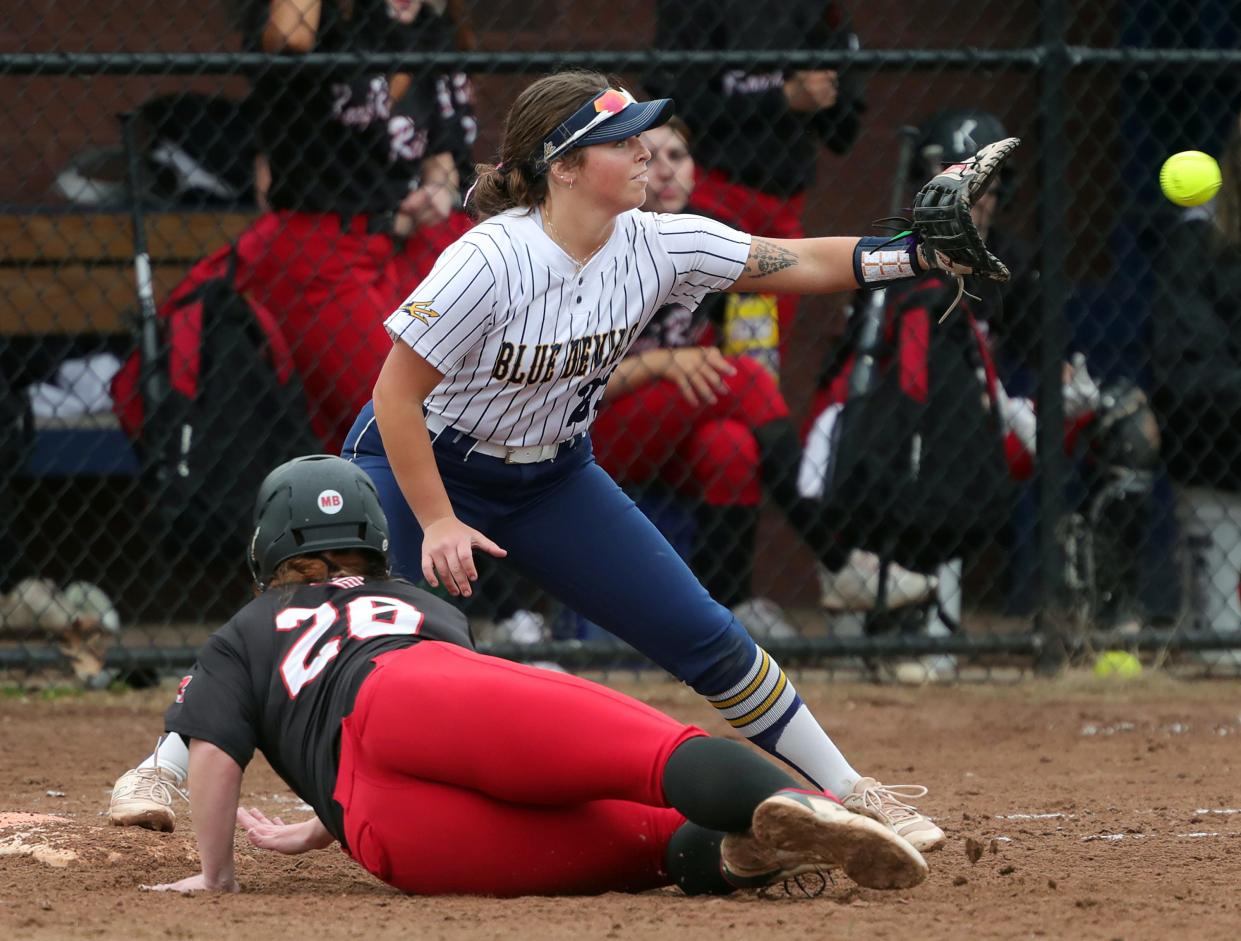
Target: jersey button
579 299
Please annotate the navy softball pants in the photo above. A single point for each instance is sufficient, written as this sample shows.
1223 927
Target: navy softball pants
570 529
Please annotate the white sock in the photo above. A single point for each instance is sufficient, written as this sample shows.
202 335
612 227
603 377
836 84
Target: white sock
805 745
764 706
172 754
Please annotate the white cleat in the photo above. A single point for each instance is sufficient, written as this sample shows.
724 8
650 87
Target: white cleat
856 586
143 798
763 619
885 801
937 668
521 627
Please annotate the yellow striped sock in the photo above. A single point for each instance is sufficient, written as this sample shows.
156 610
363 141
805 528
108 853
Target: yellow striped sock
759 700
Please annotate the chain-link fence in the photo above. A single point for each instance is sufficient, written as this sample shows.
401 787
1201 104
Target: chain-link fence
210 211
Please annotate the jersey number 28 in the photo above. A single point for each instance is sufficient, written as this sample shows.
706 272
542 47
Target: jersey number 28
365 617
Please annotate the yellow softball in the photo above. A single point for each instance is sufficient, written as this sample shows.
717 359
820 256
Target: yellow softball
1117 663
1190 178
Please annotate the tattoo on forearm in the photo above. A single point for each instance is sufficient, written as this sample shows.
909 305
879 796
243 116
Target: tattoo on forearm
766 259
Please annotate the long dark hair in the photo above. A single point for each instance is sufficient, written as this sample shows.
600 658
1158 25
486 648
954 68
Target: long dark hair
518 179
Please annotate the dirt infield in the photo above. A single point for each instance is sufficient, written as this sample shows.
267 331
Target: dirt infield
1075 808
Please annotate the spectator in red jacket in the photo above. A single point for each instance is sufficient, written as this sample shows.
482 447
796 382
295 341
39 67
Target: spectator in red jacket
360 176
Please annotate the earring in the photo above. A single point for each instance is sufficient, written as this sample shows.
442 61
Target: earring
571 184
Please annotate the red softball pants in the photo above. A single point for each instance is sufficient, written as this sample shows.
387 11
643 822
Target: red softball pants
707 450
461 773
331 288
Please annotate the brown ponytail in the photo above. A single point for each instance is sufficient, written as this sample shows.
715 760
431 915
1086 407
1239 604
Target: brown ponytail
519 179
331 563
501 186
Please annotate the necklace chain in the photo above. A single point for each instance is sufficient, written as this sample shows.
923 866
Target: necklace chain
560 240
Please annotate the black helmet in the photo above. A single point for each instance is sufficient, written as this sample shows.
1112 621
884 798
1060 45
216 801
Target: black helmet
311 504
957 134
952 136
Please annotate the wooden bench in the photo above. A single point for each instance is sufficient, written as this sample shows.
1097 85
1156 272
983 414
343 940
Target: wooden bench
72 272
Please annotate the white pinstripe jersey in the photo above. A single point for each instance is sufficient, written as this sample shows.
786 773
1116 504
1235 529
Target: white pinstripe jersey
526 342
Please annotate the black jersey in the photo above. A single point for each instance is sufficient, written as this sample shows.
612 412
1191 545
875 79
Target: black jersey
335 139
1196 320
284 671
675 325
740 118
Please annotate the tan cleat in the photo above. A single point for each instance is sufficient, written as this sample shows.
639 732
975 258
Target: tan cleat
143 798
884 801
797 832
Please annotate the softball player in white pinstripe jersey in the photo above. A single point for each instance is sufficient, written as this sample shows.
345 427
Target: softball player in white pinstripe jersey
478 435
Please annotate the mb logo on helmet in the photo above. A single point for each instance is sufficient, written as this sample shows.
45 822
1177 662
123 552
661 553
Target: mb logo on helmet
314 504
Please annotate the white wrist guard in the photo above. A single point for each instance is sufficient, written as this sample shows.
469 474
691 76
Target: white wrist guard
880 260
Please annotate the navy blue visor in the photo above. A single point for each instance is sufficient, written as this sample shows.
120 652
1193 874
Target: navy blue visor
612 115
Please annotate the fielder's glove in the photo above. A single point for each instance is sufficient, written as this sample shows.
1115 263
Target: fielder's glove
941 214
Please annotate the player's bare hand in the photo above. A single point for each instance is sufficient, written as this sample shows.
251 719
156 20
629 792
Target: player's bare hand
280 837
410 213
815 90
196 883
404 11
247 818
698 372
448 554
427 205
441 201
